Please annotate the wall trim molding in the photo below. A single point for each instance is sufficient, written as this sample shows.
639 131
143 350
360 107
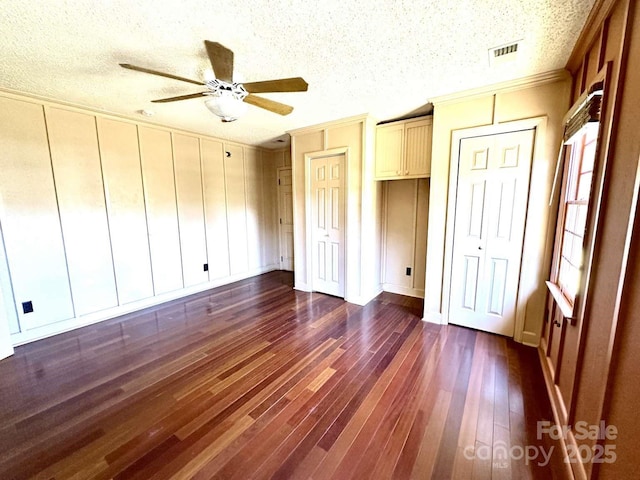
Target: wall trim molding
502 87
363 117
82 321
400 290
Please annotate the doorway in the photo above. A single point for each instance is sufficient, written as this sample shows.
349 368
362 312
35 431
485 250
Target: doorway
326 207
490 213
285 213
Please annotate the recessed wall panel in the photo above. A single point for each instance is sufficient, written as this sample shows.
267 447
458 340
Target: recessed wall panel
125 208
255 215
236 208
78 175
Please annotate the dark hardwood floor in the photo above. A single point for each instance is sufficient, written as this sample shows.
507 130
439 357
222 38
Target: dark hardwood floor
256 380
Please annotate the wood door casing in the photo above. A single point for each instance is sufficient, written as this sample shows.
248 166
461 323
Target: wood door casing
285 213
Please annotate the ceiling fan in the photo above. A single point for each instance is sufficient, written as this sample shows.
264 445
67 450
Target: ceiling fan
228 99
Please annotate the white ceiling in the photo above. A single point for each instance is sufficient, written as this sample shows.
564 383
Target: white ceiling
383 57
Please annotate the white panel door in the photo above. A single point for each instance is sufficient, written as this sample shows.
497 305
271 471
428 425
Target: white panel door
160 202
76 165
491 207
125 207
328 224
186 157
285 211
29 217
236 209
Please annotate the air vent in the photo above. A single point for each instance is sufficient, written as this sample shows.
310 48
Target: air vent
504 53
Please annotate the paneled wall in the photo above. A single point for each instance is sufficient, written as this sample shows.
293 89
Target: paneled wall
101 215
406 211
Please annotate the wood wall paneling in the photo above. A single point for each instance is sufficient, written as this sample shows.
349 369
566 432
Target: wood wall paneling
270 209
75 157
162 216
400 232
186 157
29 216
236 209
215 208
125 207
255 207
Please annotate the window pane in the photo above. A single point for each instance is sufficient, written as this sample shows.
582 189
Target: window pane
584 186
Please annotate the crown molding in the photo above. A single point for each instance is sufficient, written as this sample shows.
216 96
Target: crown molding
517 84
365 117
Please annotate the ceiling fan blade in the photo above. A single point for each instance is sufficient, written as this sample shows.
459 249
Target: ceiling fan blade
221 60
295 84
181 97
271 105
160 74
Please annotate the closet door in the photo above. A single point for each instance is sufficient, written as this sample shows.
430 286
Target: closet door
255 205
125 209
29 217
236 209
215 207
186 157
156 158
76 165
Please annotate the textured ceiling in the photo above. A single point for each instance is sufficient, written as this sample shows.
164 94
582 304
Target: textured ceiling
383 57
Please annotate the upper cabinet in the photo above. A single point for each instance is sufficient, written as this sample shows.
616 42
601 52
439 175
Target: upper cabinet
403 149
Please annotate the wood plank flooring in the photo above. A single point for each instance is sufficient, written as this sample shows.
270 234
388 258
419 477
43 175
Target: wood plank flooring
256 380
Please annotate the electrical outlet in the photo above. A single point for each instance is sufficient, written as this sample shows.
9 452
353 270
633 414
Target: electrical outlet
408 271
27 307
206 267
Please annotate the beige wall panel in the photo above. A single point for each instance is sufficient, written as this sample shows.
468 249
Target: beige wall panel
236 209
400 232
270 209
125 207
350 135
253 191
156 158
9 312
29 216
215 208
186 157
286 157
304 143
422 222
78 176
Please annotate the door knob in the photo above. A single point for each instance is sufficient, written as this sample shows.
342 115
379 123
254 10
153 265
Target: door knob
557 323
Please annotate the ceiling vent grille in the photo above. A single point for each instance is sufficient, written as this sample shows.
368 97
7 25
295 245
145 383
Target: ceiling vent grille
503 53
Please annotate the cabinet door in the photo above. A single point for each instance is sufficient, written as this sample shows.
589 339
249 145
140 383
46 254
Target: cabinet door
417 150
29 216
389 150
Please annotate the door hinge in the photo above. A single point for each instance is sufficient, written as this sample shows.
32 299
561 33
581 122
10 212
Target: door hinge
280 221
278 181
281 258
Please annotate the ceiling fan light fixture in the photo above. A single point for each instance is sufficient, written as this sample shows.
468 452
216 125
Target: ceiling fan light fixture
226 100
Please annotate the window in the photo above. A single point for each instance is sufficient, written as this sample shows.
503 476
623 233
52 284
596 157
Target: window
574 205
581 136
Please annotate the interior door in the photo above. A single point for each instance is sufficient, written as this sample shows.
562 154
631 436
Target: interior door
328 222
491 207
285 212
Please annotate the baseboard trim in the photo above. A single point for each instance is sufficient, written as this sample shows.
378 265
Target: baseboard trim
400 290
530 339
432 317
362 300
96 317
